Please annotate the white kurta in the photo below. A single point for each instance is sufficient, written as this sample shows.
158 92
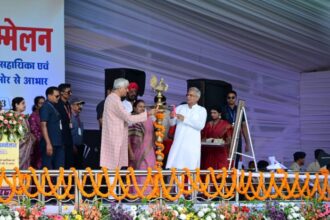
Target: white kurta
186 148
127 106
314 167
295 167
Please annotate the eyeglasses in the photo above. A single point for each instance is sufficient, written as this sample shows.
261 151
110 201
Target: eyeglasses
190 95
68 92
57 96
231 97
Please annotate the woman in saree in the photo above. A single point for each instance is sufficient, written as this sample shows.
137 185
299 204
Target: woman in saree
217 128
34 121
26 143
141 143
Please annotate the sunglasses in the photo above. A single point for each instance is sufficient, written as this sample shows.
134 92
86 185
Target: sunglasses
68 92
231 97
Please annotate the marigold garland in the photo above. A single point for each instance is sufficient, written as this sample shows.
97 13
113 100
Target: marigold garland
159 132
225 183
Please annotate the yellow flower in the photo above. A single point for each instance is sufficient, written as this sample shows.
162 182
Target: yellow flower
65 207
74 212
190 216
66 217
78 217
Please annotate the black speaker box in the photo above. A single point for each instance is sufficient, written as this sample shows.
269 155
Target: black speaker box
132 75
92 140
213 92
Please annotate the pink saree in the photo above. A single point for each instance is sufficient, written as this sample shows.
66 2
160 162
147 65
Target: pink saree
34 121
141 141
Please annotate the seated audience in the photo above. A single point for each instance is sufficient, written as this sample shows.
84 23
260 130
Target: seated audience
214 130
251 166
34 121
262 166
315 166
299 160
26 143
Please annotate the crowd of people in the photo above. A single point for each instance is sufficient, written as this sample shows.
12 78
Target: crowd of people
53 135
54 132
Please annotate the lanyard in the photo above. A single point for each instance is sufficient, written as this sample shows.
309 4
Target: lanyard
68 111
78 120
232 114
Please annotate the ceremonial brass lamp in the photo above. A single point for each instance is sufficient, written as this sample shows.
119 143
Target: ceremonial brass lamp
159 87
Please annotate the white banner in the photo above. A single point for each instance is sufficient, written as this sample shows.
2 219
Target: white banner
31 48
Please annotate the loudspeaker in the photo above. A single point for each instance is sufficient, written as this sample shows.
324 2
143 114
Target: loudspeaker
213 92
132 75
91 154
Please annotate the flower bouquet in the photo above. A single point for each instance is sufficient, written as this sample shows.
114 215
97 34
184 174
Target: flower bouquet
155 211
208 212
117 212
7 213
185 210
28 211
87 211
12 125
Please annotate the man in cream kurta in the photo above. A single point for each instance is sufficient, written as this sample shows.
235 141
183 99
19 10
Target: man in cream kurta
190 119
114 143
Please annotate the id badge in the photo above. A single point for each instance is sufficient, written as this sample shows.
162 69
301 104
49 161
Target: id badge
60 124
79 131
70 125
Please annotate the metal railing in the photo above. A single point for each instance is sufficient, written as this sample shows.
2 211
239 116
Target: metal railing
195 196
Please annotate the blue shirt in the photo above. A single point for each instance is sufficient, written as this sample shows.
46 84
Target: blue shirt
229 114
49 114
76 125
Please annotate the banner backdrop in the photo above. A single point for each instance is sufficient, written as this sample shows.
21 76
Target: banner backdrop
9 153
31 48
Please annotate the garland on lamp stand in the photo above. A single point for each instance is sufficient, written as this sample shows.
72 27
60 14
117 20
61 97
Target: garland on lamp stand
159 132
159 88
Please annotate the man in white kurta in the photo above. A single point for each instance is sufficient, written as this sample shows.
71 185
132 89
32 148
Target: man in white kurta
190 119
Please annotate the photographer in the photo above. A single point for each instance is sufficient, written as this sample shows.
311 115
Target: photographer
77 131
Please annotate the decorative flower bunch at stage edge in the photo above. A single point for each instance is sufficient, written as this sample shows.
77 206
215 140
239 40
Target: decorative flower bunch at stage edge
7 213
27 210
12 125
